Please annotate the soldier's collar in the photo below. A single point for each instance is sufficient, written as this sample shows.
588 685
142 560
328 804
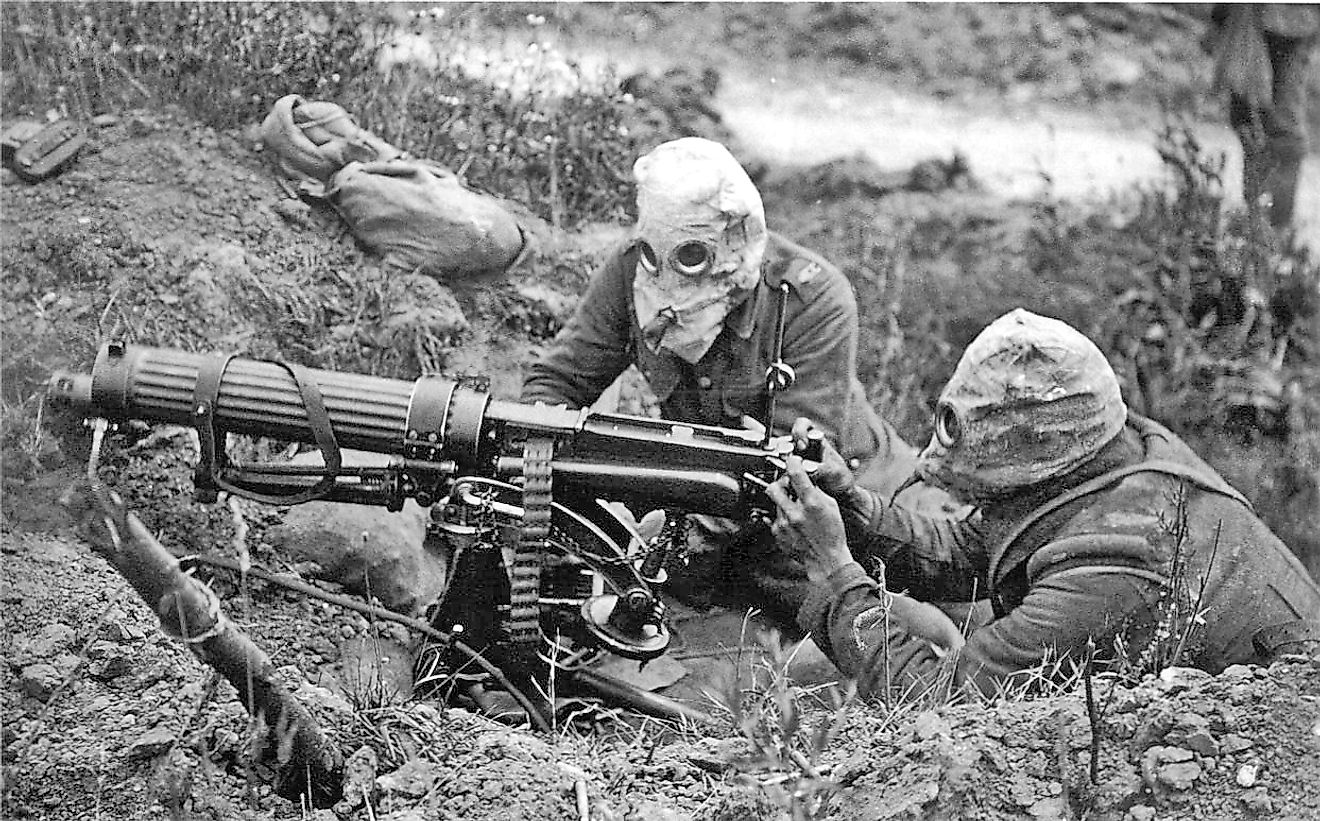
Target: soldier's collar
742 320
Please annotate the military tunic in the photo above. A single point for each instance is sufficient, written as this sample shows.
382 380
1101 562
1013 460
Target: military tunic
820 344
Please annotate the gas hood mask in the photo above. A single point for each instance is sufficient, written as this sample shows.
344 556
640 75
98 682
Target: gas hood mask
700 240
1031 400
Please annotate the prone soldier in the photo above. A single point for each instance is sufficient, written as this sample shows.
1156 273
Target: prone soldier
1090 523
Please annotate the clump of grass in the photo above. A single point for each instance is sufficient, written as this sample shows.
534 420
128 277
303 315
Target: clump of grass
1219 318
1216 336
765 706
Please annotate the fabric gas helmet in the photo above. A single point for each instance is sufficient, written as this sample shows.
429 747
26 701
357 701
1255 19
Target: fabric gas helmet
700 239
1032 399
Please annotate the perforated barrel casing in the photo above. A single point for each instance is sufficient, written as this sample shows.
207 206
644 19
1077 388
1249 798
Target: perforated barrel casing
255 397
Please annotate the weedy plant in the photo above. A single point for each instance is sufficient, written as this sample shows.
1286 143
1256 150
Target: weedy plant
765 706
1217 337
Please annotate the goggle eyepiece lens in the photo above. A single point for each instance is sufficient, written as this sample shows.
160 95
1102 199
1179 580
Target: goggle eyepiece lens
948 427
692 258
648 257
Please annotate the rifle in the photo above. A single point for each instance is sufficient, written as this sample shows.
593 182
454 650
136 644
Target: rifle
499 476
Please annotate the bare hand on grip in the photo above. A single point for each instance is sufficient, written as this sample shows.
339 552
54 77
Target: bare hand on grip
833 476
808 523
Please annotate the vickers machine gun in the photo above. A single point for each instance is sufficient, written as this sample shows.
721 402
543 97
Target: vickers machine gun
542 568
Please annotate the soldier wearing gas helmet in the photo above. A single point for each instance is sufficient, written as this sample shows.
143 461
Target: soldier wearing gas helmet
1091 524
692 300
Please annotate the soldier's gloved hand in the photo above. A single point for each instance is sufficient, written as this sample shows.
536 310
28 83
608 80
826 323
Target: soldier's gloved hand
808 524
833 476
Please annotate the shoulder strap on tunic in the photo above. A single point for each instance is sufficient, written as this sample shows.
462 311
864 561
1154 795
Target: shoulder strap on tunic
1000 561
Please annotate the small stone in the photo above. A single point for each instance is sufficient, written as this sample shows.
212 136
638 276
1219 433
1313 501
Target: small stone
1174 755
113 665
414 779
120 631
1258 801
359 780
930 724
1202 743
105 120
1141 812
574 772
150 744
845 773
1247 775
1180 776
1234 743
39 681
1235 671
295 211
1173 679
1116 71
1048 809
53 638
65 664
710 763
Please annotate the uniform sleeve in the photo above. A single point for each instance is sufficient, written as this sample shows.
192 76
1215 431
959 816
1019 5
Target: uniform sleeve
591 350
883 640
1063 609
820 343
937 558
886 642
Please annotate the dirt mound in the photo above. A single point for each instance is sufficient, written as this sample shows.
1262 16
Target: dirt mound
1185 745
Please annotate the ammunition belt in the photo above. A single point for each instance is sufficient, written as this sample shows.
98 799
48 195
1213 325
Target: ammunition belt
524 622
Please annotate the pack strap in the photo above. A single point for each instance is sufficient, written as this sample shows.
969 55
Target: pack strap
1162 466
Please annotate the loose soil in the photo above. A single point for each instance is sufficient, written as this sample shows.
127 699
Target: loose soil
179 235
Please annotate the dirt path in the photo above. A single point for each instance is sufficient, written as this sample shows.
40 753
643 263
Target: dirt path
1012 145
1012 149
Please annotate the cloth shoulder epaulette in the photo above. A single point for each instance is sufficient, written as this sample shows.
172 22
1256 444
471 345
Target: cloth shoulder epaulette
805 271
